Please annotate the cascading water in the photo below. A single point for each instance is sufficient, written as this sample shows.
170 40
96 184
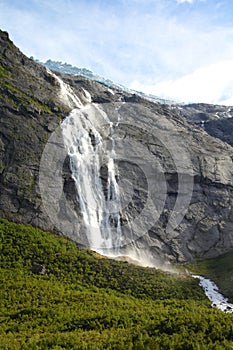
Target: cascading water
87 153
100 207
91 140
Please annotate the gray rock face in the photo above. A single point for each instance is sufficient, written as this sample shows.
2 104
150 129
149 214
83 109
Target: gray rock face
174 169
185 154
29 111
214 119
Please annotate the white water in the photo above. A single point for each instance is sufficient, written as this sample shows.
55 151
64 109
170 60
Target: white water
84 132
87 153
89 137
66 93
212 292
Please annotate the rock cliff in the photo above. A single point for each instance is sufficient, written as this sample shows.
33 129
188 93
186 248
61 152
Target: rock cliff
173 169
214 119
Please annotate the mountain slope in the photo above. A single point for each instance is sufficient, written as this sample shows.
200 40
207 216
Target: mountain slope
66 68
191 187
29 111
216 120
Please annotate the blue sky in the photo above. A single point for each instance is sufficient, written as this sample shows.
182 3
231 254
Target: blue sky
179 49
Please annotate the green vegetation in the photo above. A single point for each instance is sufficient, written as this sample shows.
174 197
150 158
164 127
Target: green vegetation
87 302
16 96
1 167
20 98
220 270
4 73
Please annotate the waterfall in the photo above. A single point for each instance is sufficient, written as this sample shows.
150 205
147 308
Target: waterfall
95 146
84 132
100 210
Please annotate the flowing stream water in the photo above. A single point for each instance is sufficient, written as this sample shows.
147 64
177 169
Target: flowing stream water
212 292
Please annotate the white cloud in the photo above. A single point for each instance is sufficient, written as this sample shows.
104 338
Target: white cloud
210 84
182 1
188 1
152 42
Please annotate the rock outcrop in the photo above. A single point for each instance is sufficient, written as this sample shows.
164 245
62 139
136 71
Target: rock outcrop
214 119
190 187
29 111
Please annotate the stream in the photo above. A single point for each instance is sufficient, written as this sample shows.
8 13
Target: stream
213 294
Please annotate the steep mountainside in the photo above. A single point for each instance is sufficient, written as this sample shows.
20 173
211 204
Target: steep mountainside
216 120
30 111
66 68
177 180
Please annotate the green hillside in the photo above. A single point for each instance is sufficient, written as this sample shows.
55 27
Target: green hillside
82 301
